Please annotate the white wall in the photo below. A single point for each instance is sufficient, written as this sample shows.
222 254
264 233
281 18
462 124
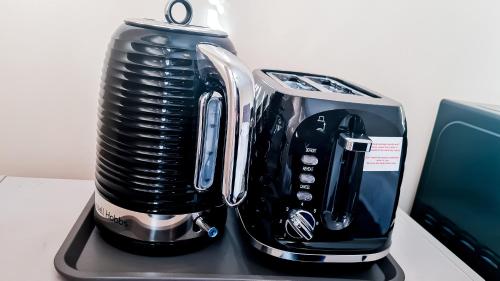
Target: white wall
417 52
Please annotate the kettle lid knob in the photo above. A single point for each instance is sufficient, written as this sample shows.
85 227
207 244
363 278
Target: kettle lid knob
174 23
169 12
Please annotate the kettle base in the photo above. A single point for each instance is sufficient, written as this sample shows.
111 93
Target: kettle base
157 234
145 248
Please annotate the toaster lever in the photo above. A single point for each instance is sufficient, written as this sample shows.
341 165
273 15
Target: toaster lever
351 142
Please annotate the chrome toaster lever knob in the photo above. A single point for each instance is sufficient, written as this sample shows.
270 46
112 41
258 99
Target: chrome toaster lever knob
300 224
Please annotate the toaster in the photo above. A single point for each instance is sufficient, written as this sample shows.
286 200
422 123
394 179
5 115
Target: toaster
325 169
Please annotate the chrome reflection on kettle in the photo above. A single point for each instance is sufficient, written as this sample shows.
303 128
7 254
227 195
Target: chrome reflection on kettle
173 135
326 169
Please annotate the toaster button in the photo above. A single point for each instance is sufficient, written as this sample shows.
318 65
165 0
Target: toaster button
309 160
307 178
304 196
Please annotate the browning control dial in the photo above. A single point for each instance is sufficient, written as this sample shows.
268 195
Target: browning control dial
300 224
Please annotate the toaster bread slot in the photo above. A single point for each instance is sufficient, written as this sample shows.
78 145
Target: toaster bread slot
335 86
292 81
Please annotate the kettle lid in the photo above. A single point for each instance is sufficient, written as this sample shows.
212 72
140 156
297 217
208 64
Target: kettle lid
174 25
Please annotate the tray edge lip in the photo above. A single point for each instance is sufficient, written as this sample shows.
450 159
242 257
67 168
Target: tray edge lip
73 274
399 270
59 260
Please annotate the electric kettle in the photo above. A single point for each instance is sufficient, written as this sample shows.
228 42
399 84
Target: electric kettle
175 115
326 169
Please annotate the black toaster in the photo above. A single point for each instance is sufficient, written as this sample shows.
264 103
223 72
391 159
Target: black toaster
325 169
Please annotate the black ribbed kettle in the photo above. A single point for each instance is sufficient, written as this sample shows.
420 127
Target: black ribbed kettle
175 116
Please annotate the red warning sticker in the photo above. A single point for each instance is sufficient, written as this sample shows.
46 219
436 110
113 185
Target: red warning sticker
384 155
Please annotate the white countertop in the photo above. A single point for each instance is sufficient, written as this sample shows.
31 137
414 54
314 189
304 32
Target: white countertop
37 214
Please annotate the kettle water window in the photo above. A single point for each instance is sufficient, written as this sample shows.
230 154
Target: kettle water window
209 125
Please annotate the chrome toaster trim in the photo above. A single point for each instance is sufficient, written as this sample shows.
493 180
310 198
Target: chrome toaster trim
311 258
268 78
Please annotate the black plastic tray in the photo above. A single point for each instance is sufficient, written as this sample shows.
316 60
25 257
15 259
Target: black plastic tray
85 256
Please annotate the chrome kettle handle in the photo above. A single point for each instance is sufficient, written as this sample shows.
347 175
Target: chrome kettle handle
239 97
